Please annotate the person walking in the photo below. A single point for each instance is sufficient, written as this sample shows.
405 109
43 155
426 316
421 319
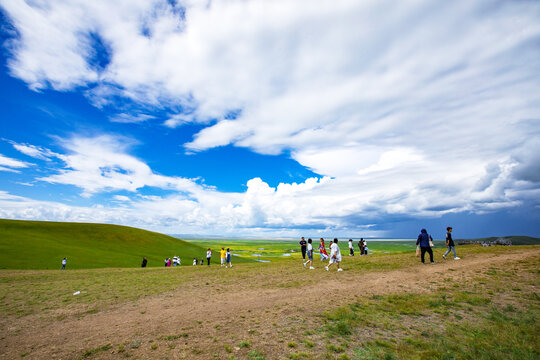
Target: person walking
208 256
229 258
424 241
351 248
64 262
223 256
309 254
144 262
303 247
450 244
322 251
365 246
335 256
360 242
195 261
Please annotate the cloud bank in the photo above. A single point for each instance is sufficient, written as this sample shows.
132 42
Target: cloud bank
403 109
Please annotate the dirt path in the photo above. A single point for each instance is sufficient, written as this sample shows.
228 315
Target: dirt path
200 324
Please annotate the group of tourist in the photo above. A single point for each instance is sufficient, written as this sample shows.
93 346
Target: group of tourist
334 257
174 261
424 244
225 256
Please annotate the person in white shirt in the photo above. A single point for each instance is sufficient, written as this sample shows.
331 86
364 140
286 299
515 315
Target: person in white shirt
194 261
335 256
309 254
208 256
64 262
351 248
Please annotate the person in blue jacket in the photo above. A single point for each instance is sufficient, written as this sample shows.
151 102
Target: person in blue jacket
423 241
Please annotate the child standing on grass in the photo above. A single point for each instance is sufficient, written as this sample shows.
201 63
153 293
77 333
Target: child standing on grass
223 255
194 261
450 244
64 262
208 256
351 248
322 250
335 256
229 258
144 262
309 254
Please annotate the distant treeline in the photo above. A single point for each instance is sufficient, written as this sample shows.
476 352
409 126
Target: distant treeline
502 240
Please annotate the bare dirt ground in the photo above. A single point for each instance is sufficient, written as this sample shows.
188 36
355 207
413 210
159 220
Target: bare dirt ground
212 322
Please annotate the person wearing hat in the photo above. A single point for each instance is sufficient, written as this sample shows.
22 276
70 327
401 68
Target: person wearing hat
450 243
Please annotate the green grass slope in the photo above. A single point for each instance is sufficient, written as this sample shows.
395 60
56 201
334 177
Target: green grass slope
43 245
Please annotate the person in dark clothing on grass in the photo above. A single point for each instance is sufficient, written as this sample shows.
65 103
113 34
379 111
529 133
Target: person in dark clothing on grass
303 247
144 262
450 244
423 241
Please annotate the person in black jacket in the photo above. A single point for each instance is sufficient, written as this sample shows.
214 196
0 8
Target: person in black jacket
144 261
303 247
450 243
423 241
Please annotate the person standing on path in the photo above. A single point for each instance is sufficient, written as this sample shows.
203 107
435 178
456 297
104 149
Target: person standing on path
309 254
223 256
144 262
64 262
208 256
303 247
229 258
351 248
423 241
450 244
322 250
335 256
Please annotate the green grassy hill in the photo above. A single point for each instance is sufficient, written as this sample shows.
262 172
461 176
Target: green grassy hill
43 245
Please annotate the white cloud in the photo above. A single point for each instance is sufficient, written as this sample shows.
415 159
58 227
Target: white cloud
34 151
405 108
8 164
121 198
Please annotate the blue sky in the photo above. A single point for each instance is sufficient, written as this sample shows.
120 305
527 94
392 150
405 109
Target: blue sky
262 119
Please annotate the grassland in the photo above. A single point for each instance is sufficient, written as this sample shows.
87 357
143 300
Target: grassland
384 306
42 245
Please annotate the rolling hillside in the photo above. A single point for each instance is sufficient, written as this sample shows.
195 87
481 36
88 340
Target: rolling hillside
42 245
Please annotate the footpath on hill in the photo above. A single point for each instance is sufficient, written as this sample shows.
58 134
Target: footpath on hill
215 322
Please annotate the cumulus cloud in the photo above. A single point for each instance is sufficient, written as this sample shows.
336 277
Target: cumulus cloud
404 108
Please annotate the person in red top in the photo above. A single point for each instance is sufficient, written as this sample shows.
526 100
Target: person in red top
322 250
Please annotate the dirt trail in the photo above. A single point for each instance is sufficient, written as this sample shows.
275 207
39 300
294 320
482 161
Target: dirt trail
225 318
